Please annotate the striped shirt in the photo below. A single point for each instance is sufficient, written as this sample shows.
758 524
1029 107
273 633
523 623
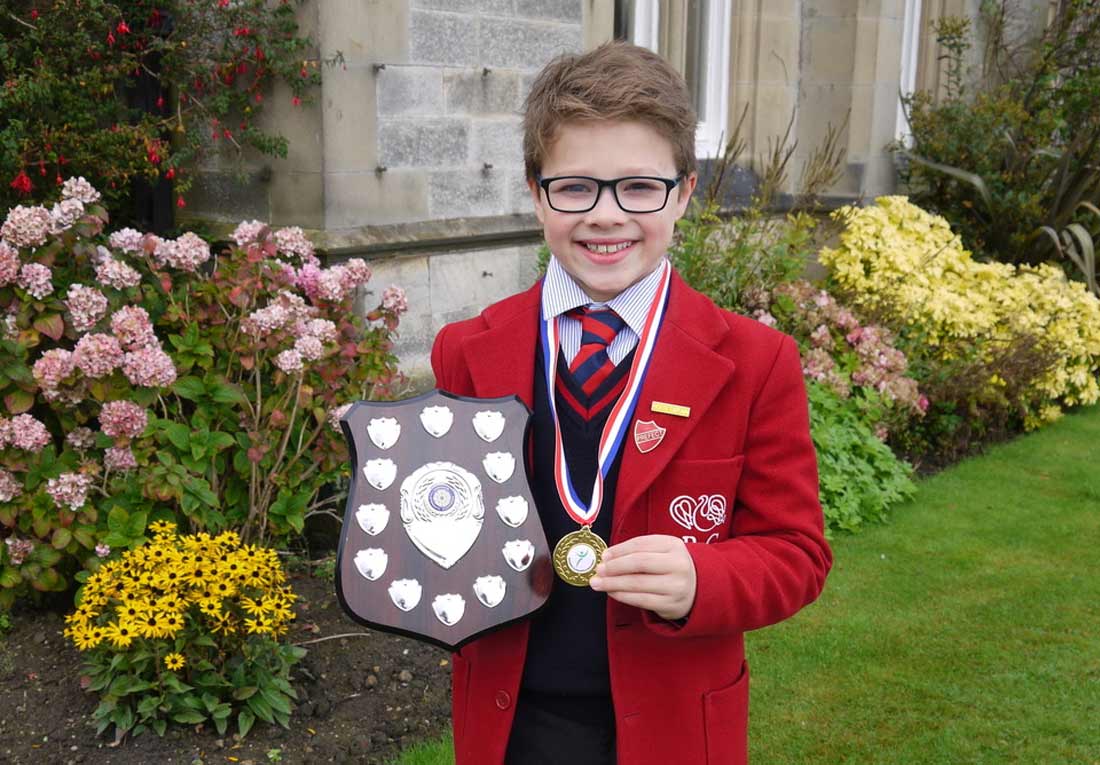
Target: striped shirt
560 293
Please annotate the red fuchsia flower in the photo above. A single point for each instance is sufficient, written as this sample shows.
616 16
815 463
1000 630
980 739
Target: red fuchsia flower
18 550
52 368
69 489
36 279
9 487
80 438
394 300
97 355
111 39
289 361
127 240
133 328
171 173
123 419
87 306
115 273
160 102
22 183
26 226
180 203
78 188
119 458
26 433
34 14
9 264
149 367
296 101
122 28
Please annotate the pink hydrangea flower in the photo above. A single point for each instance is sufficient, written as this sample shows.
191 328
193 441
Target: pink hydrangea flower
52 367
291 240
18 550
133 328
69 489
97 355
9 264
394 300
123 419
764 317
10 488
26 226
87 306
127 240
79 189
188 252
115 273
164 250
81 438
64 214
821 337
266 320
102 550
356 273
26 433
309 276
149 367
248 231
119 458
322 329
336 413
331 285
309 347
36 279
289 361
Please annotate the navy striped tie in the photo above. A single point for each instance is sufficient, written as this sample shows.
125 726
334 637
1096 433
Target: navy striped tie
591 366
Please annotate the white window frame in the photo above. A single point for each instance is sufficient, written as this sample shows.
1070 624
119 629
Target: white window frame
710 134
907 81
647 24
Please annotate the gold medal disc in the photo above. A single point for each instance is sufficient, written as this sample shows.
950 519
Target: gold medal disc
576 556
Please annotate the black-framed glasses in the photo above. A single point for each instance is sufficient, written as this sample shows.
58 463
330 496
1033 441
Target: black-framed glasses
633 193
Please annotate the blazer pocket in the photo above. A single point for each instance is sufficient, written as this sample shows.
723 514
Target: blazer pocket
694 499
726 718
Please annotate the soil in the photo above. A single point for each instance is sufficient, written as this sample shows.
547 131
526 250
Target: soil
362 698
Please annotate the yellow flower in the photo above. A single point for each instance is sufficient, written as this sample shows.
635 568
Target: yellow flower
83 637
162 527
152 626
259 626
121 634
252 606
172 622
223 624
174 661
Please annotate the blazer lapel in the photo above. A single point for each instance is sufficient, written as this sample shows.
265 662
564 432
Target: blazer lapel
501 359
684 370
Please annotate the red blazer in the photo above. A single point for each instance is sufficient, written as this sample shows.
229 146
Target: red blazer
680 692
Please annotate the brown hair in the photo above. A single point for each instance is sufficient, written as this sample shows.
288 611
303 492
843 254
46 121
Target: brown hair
616 81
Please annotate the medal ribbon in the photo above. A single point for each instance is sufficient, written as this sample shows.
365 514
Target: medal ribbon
614 430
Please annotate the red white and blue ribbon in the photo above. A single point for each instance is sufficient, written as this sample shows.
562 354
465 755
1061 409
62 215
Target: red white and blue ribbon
615 429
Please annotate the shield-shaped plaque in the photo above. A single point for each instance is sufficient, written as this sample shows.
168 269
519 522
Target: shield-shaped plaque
440 539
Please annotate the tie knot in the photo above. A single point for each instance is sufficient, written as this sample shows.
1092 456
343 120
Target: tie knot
598 325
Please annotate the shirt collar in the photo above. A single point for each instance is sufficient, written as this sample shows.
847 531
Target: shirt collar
561 293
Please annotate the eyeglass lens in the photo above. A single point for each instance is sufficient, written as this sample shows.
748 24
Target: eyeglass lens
633 194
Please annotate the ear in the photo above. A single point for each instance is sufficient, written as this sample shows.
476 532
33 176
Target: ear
536 197
684 192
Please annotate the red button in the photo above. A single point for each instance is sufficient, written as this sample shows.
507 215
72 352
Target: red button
503 700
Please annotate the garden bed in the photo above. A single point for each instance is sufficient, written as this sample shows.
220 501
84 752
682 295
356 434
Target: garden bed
361 699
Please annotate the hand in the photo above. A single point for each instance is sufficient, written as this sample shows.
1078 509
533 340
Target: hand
653 571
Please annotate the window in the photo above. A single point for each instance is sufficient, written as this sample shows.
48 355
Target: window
910 44
700 49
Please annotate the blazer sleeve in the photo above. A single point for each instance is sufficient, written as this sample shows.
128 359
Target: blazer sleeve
776 559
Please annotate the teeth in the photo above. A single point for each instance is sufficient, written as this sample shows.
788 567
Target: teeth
607 248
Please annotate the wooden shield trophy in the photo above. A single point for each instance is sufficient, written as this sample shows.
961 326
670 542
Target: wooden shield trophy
441 539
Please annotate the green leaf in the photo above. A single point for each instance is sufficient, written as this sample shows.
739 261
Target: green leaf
118 520
18 401
228 394
189 716
244 722
61 538
179 435
261 708
9 577
190 388
52 325
123 717
245 692
160 725
136 525
221 723
275 700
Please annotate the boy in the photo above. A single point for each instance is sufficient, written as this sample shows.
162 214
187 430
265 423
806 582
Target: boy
672 431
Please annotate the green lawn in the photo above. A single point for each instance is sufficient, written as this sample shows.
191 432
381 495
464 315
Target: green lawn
966 631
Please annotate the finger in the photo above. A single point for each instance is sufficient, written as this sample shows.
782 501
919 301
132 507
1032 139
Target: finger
638 563
662 584
645 543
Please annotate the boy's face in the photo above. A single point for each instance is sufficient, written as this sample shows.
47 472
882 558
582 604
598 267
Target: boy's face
606 249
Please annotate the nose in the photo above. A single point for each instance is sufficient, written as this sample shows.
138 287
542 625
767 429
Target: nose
607 211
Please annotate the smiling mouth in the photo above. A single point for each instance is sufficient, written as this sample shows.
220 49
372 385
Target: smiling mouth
606 249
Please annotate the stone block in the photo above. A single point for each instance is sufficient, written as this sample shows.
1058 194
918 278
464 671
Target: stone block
466 193
422 143
829 49
366 31
497 8
416 331
297 199
359 199
443 38
226 197
568 11
405 90
474 92
779 41
454 6
519 194
350 119
464 283
525 44
299 125
498 142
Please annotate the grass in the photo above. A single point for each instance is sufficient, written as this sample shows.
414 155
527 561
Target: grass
965 631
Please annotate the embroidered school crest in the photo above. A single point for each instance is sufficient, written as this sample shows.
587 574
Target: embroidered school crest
439 541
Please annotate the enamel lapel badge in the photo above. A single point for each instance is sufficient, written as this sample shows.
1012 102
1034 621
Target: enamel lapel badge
647 435
439 539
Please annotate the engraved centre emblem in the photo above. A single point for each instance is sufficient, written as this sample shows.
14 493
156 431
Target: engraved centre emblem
442 510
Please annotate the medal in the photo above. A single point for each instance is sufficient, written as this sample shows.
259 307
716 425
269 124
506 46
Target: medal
576 555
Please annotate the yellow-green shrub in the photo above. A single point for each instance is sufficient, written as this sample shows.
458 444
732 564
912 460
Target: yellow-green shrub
894 257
